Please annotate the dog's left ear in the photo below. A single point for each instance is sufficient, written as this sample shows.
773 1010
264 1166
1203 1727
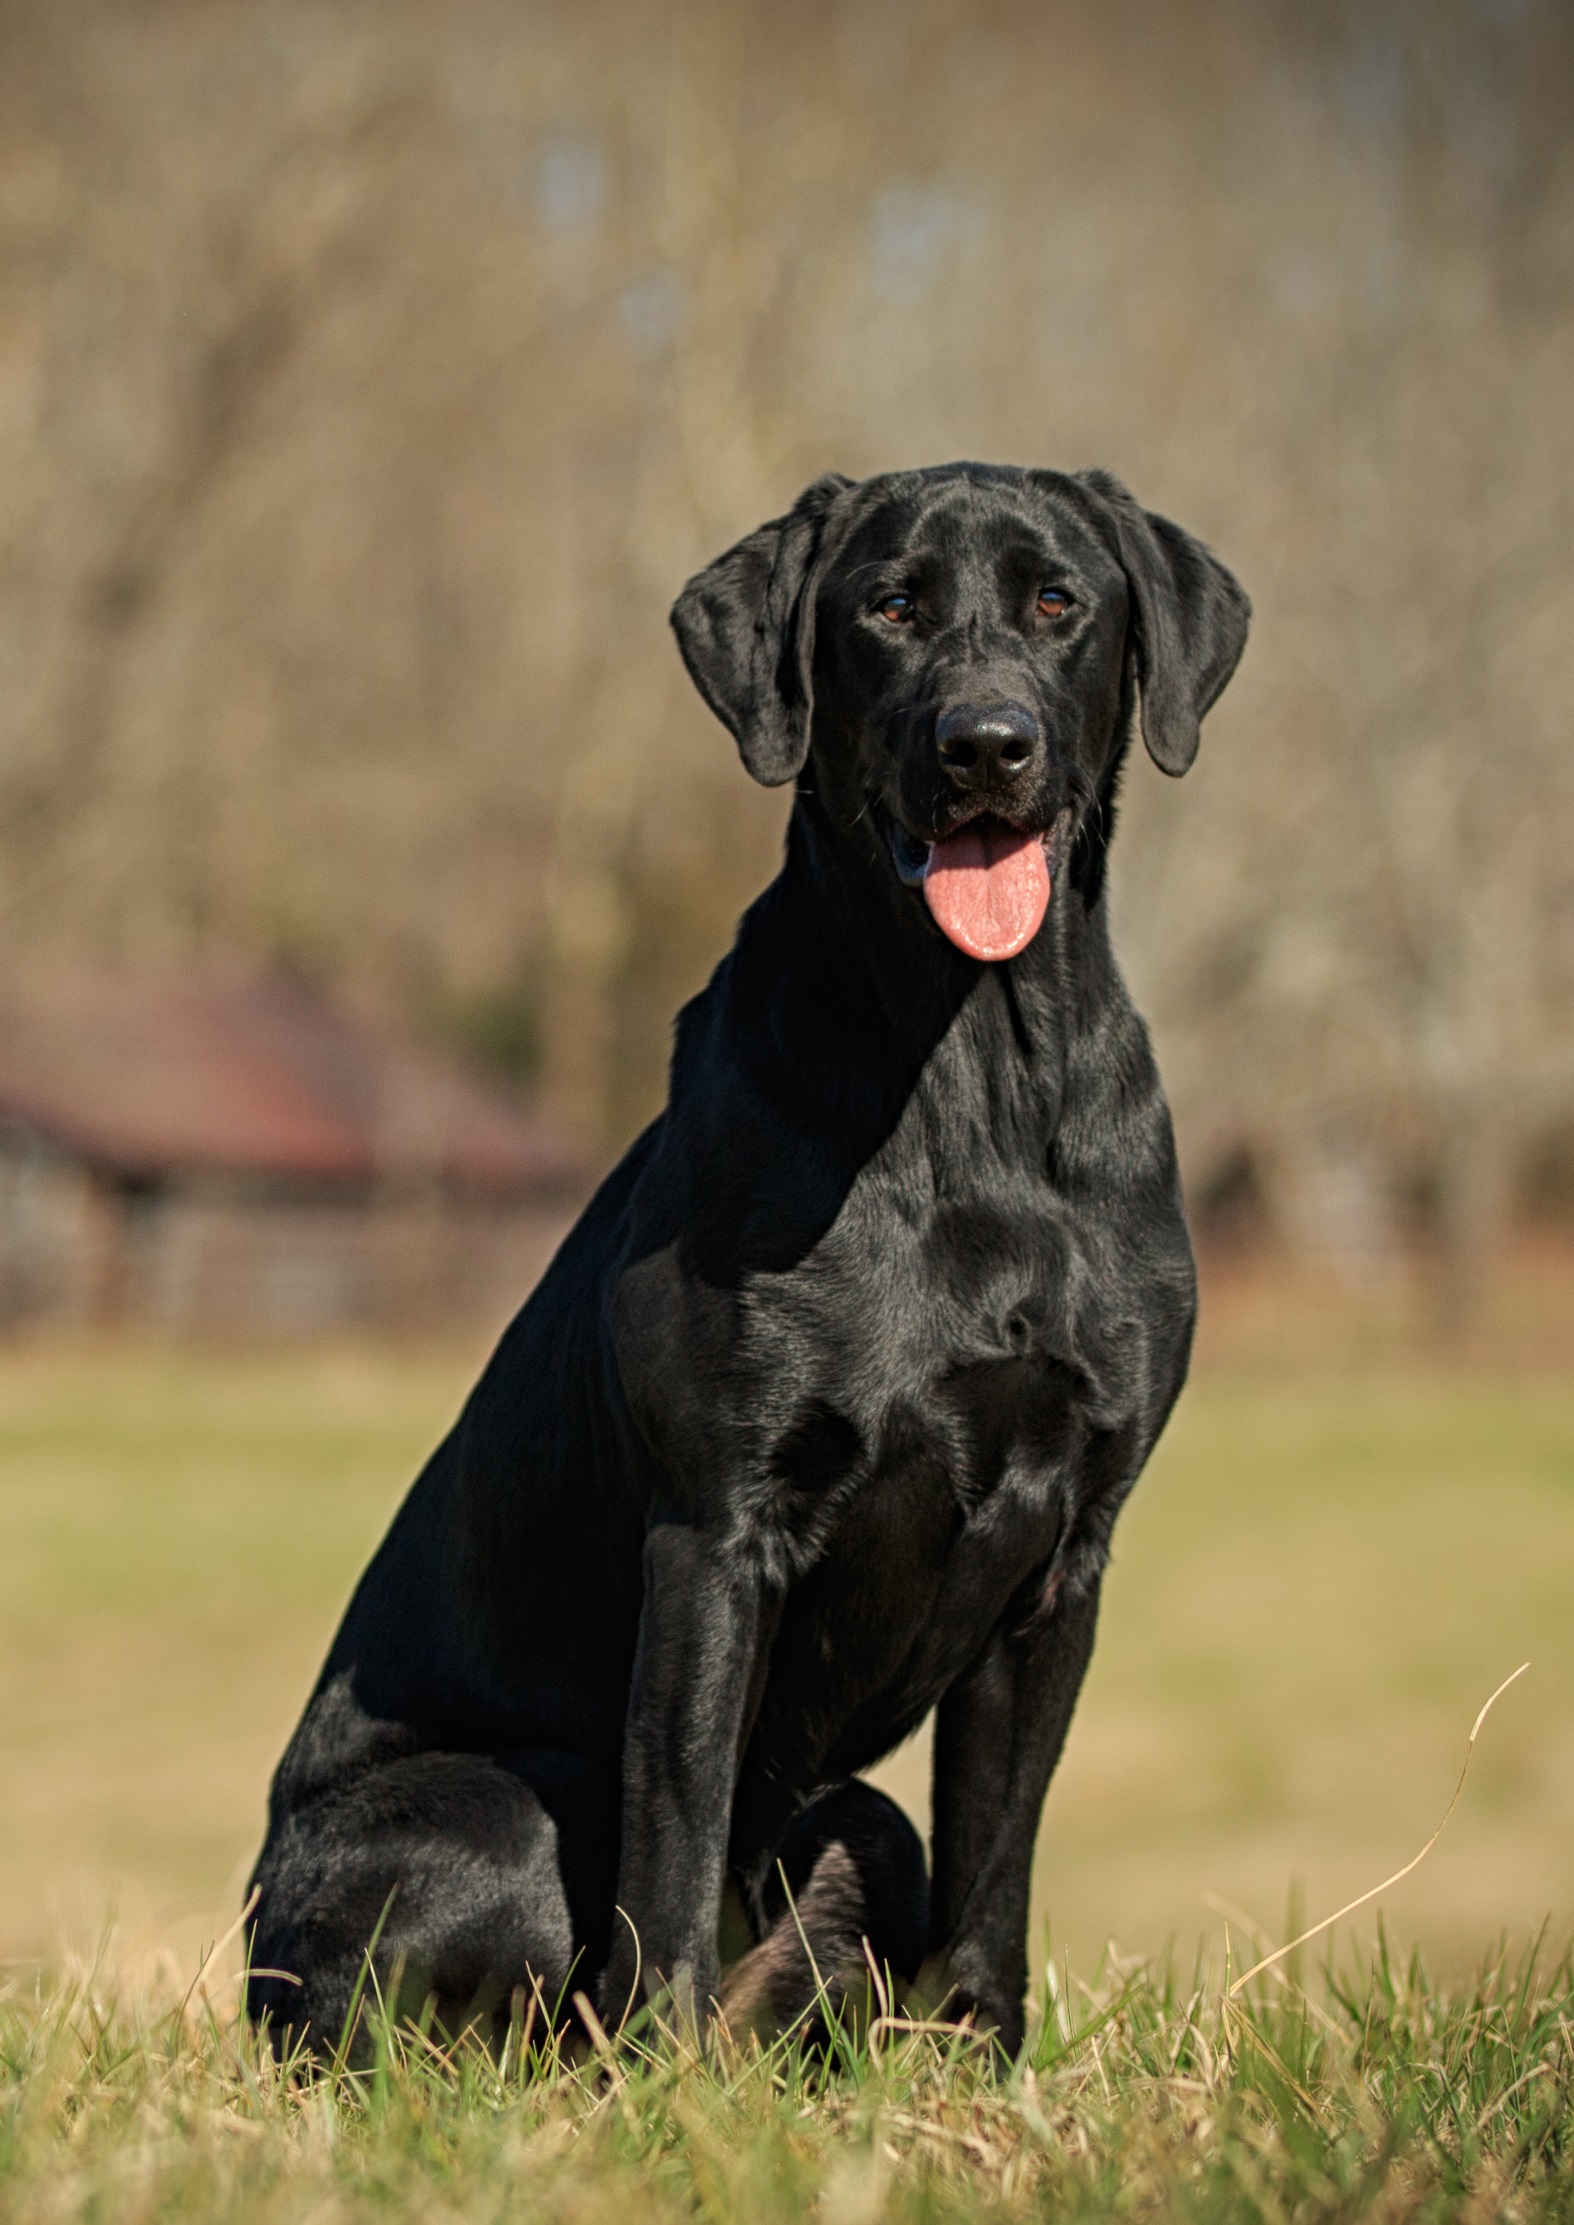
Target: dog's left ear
745 626
1190 617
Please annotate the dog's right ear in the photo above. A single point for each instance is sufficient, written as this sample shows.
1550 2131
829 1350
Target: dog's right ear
745 626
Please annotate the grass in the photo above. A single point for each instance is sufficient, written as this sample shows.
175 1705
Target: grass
1375 2095
1318 1582
1313 1590
1315 1586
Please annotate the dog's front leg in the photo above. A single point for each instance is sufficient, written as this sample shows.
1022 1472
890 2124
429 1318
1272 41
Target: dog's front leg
705 1618
998 1735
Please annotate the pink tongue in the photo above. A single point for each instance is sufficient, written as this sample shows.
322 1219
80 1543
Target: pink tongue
988 888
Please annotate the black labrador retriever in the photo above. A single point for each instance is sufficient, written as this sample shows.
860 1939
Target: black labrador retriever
823 1413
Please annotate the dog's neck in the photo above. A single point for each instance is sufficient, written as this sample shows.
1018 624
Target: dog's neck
840 974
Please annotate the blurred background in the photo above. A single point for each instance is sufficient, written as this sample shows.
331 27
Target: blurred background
371 376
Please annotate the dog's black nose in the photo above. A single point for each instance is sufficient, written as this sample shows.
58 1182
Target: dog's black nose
986 745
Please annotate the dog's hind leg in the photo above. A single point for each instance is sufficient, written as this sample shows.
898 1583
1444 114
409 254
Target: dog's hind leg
845 1885
475 1878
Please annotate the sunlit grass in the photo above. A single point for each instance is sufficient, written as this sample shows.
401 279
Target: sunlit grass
1313 1590
1370 2094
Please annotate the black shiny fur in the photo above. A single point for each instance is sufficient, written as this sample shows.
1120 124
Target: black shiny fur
824 1412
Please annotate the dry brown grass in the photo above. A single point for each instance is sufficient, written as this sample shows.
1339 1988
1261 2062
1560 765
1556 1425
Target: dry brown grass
1313 1588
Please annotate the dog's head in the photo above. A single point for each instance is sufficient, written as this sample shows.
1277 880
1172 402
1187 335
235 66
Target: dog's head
961 652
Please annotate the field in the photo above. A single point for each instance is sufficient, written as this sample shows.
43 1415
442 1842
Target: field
1314 1587
1318 1582
1149 2096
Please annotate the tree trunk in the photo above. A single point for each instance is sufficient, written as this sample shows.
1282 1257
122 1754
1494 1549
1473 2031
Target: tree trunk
1472 1209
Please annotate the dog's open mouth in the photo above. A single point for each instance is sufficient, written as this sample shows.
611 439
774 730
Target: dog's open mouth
987 885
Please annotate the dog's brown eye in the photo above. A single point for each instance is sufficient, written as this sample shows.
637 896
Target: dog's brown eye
896 609
1053 602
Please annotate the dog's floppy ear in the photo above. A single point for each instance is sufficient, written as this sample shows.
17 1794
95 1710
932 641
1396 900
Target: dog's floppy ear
745 626
1189 616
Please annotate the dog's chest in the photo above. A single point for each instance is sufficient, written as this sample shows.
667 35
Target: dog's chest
928 1376
925 1464
925 1336
926 1476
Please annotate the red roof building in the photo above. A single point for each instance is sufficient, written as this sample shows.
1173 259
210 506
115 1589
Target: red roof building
235 1152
